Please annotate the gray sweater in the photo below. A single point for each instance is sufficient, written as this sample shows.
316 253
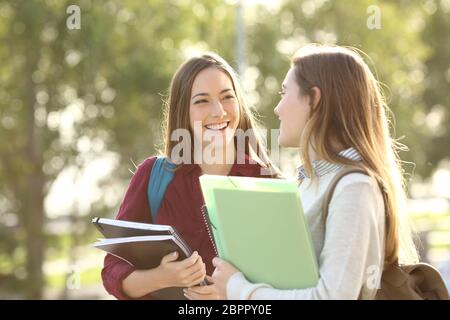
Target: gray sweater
349 244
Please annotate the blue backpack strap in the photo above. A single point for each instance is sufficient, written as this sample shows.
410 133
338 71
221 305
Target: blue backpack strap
160 178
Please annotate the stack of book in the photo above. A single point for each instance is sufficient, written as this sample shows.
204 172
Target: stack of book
143 246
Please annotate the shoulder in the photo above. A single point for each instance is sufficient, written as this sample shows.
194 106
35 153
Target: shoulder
358 190
354 179
144 168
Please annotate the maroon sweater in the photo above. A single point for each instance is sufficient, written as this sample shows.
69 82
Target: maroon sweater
180 208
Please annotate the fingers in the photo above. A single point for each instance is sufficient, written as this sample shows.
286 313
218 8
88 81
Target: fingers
209 279
196 274
201 289
191 275
194 295
199 265
189 261
217 262
186 273
170 257
183 264
196 281
195 278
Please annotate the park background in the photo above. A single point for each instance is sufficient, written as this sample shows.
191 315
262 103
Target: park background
81 102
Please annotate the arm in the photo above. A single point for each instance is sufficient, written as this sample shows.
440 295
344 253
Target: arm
123 280
134 207
141 282
170 273
351 246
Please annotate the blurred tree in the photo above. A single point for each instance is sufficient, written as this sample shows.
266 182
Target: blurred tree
395 53
434 123
23 143
67 96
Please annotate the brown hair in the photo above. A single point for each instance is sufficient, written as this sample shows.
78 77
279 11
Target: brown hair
352 113
177 106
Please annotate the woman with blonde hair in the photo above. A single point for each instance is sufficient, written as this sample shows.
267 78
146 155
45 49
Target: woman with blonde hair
332 109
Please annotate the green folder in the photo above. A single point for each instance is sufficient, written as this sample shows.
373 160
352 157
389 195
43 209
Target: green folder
259 226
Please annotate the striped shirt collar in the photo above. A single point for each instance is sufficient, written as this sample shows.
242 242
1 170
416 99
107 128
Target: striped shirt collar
322 167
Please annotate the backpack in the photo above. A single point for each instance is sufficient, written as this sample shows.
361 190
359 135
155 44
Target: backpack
419 281
161 175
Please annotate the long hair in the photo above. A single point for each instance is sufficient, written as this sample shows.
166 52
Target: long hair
176 114
352 112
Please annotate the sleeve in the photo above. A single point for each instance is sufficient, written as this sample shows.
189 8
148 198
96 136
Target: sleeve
134 207
351 246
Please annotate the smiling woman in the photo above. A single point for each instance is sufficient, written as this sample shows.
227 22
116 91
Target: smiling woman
205 102
214 110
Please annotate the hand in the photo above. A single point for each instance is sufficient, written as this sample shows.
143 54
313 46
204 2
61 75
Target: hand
208 292
186 273
223 272
218 283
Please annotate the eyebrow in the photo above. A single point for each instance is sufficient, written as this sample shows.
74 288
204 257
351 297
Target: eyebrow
206 94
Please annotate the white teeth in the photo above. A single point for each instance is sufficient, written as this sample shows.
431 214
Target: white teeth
217 126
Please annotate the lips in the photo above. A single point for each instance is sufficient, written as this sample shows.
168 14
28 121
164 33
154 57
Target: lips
217 126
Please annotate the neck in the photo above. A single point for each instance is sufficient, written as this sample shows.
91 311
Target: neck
222 163
313 155
216 169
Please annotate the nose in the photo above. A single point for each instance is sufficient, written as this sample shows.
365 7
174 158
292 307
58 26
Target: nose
217 110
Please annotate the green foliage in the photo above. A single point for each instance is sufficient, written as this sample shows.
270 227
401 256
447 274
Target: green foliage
106 82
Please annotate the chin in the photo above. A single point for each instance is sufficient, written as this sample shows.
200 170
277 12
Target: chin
286 143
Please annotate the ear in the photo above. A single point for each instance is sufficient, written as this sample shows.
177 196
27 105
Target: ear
315 97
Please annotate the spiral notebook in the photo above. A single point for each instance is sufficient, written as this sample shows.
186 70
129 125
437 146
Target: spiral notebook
143 246
259 226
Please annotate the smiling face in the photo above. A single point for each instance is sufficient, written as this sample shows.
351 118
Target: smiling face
293 110
214 108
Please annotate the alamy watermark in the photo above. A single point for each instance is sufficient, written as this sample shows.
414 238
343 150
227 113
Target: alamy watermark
73 21
373 277
374 19
73 281
204 146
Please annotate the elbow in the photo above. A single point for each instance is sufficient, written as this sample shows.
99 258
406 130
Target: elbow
108 281
112 284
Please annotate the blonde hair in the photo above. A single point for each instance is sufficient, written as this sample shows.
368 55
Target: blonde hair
353 113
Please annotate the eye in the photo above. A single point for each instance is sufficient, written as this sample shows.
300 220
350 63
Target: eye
229 97
201 101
